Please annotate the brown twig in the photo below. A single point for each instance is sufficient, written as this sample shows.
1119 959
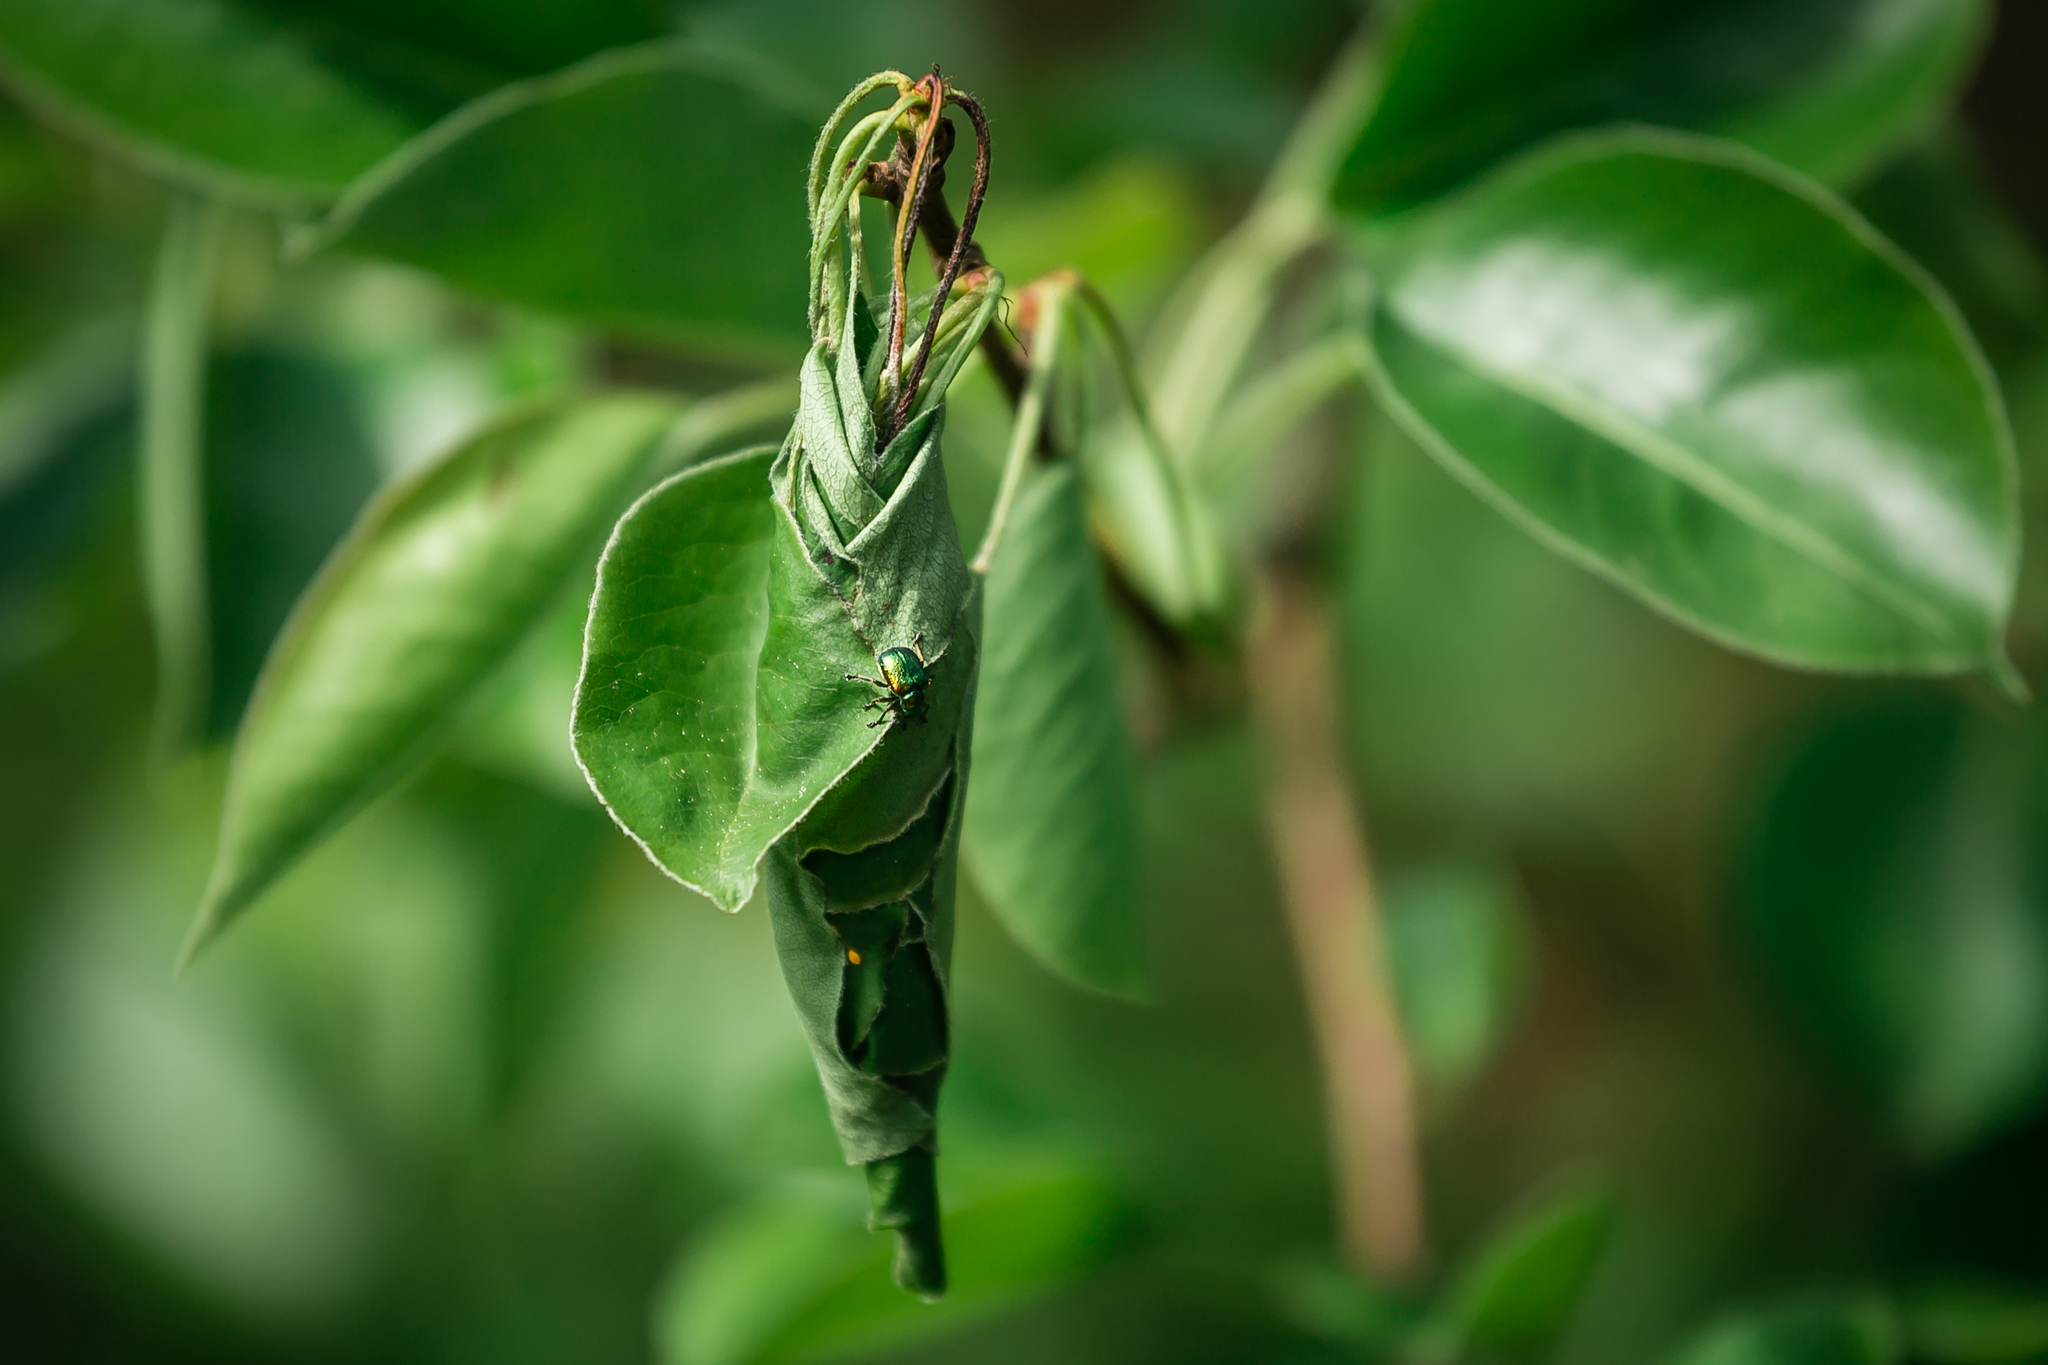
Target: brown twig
943 239
1333 913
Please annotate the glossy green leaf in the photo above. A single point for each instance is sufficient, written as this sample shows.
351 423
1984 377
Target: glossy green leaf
1897 911
1052 819
437 583
790 1279
636 190
1517 1294
205 91
1975 1324
1710 382
1857 1331
1825 86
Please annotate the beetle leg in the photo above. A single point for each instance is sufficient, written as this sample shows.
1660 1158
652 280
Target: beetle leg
917 644
856 677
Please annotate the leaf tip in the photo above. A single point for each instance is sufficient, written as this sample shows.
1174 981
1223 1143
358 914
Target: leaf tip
225 895
204 926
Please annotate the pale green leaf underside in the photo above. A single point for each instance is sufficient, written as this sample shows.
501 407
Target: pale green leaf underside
1710 382
1052 818
436 585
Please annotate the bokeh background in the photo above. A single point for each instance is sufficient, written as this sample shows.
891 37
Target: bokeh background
1760 958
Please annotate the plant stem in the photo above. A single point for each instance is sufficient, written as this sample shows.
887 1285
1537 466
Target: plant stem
1201 569
1232 288
171 474
1333 915
1029 423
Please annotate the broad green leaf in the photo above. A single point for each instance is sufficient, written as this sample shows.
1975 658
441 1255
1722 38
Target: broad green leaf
1052 819
790 1279
1710 382
1976 1324
1460 957
437 583
1892 897
636 190
708 722
1825 86
203 91
1516 1295
1857 1331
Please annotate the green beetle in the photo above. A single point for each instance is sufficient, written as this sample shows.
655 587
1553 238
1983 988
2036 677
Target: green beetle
906 675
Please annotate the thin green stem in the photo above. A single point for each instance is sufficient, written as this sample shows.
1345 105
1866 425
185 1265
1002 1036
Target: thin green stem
841 182
880 80
1233 289
985 296
171 473
1031 413
1199 569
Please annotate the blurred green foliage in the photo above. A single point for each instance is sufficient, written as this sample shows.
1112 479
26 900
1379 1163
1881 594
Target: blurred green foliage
1766 951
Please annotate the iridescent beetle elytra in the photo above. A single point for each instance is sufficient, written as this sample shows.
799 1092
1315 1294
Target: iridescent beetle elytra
906 674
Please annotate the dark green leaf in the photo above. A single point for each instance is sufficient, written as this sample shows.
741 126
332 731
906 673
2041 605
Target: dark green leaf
1710 382
201 90
1052 819
1516 1295
1825 86
791 1279
1894 901
438 582
655 189
1861 1331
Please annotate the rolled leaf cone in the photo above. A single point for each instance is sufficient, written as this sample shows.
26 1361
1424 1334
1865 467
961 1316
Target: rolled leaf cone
720 717
861 891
